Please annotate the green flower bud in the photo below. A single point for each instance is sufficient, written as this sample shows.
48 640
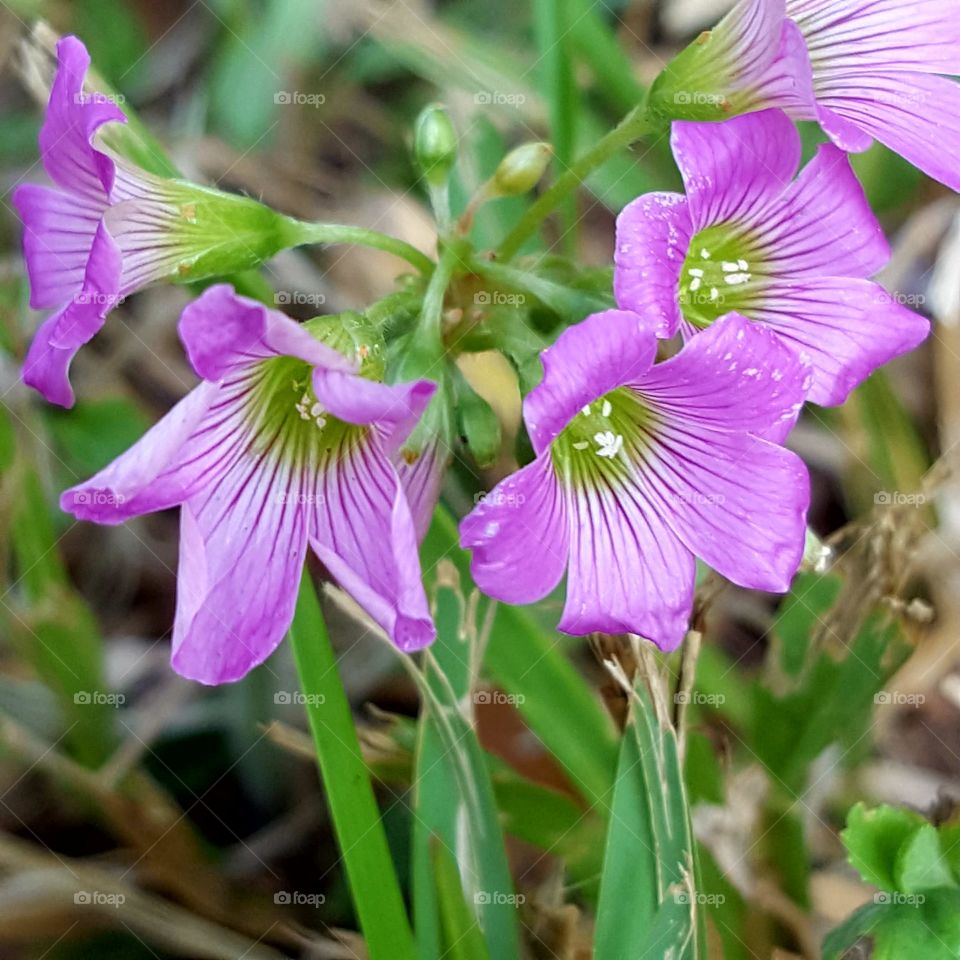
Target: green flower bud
434 144
521 169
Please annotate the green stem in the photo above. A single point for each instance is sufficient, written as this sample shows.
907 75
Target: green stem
302 232
430 327
632 127
353 808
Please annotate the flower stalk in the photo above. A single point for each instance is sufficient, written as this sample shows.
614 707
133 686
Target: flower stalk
636 124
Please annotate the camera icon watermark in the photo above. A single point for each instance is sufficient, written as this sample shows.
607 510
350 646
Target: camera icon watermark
499 697
498 98
700 699
897 699
298 898
297 298
299 98
98 698
900 899
498 498
484 898
698 98
97 898
894 498
497 298
291 697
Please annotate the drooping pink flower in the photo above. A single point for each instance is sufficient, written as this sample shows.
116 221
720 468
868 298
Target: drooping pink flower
866 69
794 255
640 467
109 228
285 443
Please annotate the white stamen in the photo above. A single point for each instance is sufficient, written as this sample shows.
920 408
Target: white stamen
586 410
610 443
695 272
606 409
582 445
736 278
714 293
695 284
705 253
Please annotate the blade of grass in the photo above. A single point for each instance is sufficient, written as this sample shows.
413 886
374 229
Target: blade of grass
552 33
649 853
551 695
353 807
455 803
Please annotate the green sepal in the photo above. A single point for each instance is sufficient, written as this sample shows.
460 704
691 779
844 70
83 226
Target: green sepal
478 424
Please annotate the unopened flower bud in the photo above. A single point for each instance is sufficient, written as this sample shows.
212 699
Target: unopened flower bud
434 144
521 169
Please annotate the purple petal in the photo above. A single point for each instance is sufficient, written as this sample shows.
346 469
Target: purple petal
588 360
823 224
47 364
735 375
788 82
846 135
920 35
422 479
526 512
915 115
361 529
735 169
653 234
736 501
144 478
355 399
223 332
72 119
242 547
58 232
629 573
848 328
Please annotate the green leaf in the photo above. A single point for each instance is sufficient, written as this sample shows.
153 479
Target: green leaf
920 864
529 663
95 432
254 76
462 937
353 808
553 30
455 803
647 891
831 701
874 837
901 927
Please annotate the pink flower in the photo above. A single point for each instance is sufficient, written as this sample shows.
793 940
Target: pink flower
866 69
792 254
284 444
641 467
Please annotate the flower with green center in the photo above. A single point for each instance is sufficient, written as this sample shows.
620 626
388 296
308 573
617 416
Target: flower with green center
640 467
792 254
288 441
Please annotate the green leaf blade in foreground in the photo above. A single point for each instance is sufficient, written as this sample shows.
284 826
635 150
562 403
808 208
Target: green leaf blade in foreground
457 819
648 900
353 807
528 662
